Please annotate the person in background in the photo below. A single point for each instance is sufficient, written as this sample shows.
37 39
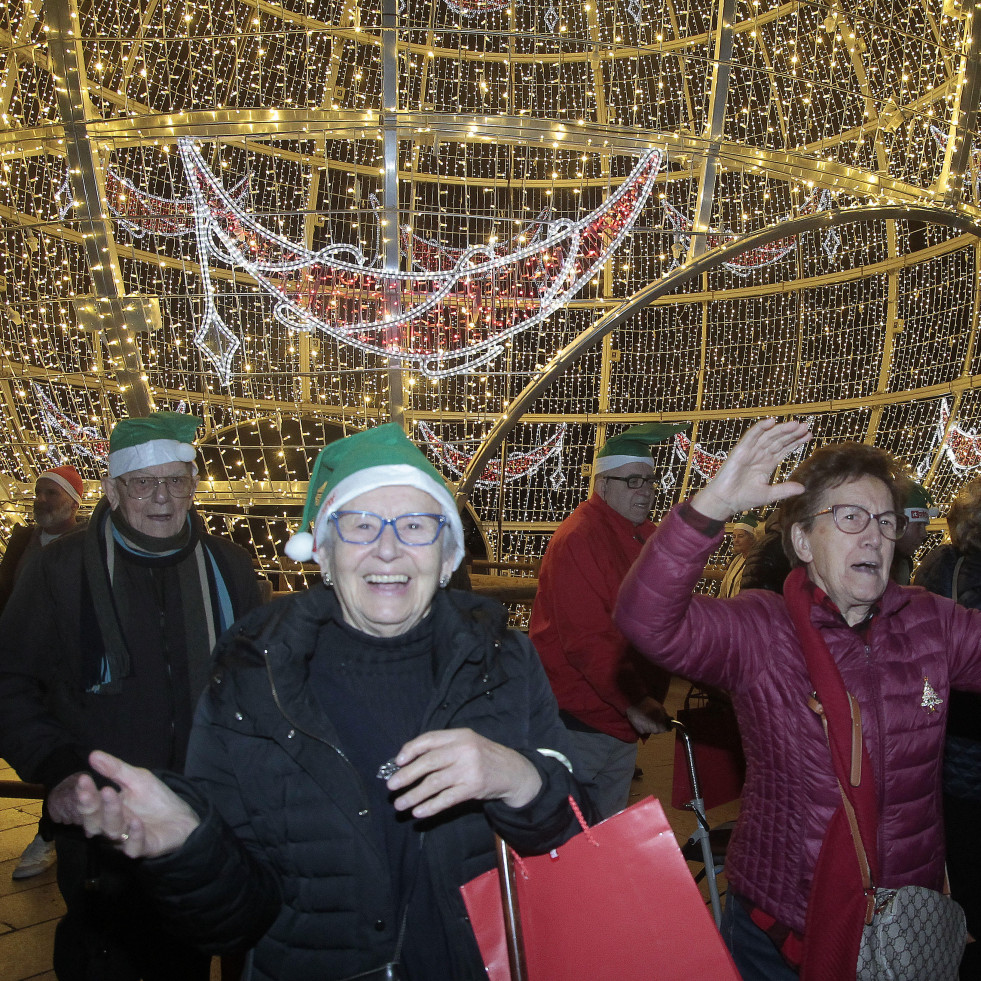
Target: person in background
359 746
767 565
57 495
954 570
132 608
607 697
844 630
919 509
743 538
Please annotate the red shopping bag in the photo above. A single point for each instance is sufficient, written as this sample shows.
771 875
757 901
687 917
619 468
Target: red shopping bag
615 903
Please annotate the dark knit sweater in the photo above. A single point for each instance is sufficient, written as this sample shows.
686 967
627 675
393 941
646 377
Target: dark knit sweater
376 690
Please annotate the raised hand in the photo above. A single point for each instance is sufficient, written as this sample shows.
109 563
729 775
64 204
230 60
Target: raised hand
743 481
143 819
446 767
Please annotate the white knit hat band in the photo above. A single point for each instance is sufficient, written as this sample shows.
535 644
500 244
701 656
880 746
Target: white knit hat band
151 454
613 461
56 478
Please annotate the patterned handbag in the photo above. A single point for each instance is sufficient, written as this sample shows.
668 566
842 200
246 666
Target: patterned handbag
915 933
912 933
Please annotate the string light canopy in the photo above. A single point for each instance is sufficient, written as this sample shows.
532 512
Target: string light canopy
492 222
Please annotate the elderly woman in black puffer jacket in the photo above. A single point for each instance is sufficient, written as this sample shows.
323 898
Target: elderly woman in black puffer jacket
358 747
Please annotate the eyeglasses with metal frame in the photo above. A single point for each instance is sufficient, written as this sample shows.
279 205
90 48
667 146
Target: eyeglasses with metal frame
634 481
142 487
365 528
853 519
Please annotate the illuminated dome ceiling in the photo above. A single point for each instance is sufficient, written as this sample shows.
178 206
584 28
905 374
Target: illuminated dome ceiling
512 228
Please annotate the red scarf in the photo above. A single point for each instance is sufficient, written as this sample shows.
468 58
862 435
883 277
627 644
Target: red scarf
837 903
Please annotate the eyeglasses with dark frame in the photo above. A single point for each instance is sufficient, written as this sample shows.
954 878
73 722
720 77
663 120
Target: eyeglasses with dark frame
853 519
140 488
365 528
634 481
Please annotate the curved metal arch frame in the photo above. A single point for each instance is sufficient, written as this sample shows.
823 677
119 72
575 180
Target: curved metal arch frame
685 274
255 124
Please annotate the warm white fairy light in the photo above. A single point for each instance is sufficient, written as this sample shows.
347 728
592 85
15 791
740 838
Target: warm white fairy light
870 322
444 322
516 466
759 256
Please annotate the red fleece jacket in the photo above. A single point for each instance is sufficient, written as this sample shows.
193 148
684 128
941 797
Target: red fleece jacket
591 667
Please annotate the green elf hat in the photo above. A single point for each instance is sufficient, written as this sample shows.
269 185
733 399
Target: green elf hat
747 521
379 457
161 437
633 445
920 504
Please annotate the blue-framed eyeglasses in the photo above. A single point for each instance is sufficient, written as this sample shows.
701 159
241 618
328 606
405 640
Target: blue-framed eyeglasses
365 528
853 519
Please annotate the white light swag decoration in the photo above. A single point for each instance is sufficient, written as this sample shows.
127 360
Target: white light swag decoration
60 430
431 256
705 464
473 8
941 137
142 213
517 465
761 255
443 321
962 446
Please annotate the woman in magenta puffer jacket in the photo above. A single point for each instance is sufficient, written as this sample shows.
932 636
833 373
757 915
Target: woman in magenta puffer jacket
796 902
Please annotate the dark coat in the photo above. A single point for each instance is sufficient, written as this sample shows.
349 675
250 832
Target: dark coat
305 868
49 722
936 573
24 541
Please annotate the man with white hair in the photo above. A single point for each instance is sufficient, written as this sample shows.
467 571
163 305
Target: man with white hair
133 607
608 697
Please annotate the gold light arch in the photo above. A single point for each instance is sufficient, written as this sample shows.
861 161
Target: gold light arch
809 245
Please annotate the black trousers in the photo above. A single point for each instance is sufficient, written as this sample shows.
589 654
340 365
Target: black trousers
109 932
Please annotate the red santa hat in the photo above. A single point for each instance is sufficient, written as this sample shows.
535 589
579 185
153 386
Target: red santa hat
68 479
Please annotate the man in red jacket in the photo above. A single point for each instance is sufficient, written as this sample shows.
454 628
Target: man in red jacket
608 697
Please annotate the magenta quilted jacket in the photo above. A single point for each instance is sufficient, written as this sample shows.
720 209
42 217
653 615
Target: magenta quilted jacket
901 668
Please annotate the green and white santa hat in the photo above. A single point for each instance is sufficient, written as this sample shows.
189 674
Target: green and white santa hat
633 445
747 521
161 437
920 505
379 457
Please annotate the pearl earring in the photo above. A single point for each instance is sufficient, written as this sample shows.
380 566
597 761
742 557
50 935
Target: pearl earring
444 581
326 578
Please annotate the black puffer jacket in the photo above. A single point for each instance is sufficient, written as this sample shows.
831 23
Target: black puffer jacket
265 760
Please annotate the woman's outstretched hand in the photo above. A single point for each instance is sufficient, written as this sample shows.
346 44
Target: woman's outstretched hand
143 819
743 481
445 767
